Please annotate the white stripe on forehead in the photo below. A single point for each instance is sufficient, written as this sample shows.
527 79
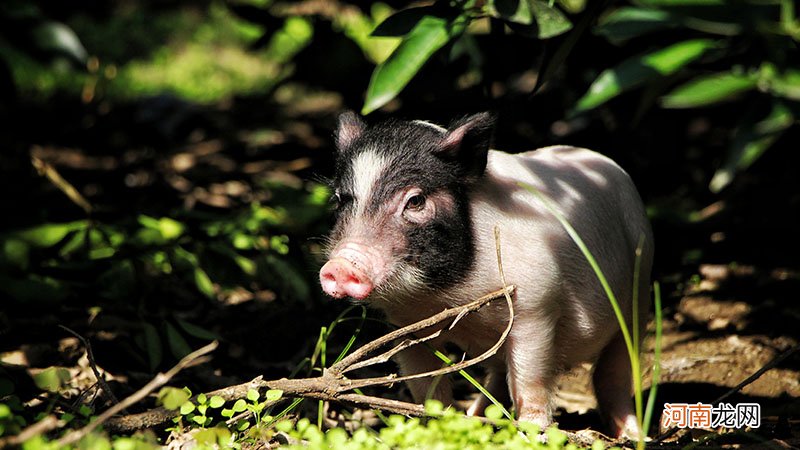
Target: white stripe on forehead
438 128
367 167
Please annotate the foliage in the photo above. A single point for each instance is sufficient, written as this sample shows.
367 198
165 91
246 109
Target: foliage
446 429
743 53
426 29
131 262
25 27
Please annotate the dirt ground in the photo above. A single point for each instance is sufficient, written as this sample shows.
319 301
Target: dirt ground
724 319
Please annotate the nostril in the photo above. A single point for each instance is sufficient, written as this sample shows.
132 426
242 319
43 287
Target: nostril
328 276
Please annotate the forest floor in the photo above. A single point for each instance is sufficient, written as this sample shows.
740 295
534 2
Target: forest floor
723 319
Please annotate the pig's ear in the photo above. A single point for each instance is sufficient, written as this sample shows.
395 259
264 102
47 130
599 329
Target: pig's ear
467 142
349 129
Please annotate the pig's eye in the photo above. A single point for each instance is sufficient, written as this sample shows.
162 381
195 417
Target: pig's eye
416 202
341 199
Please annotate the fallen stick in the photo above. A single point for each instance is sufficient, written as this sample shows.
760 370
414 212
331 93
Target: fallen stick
332 385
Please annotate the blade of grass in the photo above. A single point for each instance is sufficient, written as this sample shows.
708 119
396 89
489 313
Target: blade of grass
475 383
651 398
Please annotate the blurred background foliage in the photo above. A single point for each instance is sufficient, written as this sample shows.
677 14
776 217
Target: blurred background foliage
163 160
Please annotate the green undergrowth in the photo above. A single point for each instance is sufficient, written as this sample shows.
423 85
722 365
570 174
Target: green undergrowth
445 429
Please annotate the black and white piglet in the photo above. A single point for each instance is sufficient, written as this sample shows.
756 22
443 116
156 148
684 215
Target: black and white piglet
416 208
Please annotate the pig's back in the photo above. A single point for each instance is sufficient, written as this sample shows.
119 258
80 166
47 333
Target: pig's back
599 200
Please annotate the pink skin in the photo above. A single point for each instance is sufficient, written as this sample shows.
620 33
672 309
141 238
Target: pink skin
355 269
351 270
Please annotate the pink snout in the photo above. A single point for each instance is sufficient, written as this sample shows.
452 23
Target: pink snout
340 278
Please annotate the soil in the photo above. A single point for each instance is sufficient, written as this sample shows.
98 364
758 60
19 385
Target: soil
727 312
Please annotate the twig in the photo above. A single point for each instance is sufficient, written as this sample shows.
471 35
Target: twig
48 171
42 426
357 355
90 356
194 358
332 385
458 312
384 357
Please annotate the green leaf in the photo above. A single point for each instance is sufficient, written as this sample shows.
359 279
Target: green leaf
49 234
517 11
177 344
274 395
709 90
572 6
200 420
402 22
226 413
640 69
172 398
536 17
169 229
51 379
752 138
202 408
239 406
628 22
202 399
187 408
152 345
17 253
390 77
786 85
551 21
196 331
216 401
252 395
203 282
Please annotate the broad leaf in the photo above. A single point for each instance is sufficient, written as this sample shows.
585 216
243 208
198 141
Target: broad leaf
627 22
49 234
753 137
177 344
709 90
391 76
172 398
572 6
640 69
51 379
551 21
533 18
517 11
402 22
152 343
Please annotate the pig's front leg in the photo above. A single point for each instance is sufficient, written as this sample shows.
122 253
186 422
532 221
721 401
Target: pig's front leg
418 359
532 369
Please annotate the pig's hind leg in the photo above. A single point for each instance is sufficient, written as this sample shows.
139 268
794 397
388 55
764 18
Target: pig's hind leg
496 384
419 359
612 386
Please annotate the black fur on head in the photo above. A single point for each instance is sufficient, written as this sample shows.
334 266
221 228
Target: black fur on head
432 158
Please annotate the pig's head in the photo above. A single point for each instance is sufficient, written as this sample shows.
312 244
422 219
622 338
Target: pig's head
401 205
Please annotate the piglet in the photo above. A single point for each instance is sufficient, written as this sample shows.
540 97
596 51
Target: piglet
416 206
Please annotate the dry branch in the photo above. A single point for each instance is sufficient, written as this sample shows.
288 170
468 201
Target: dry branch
332 385
194 358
